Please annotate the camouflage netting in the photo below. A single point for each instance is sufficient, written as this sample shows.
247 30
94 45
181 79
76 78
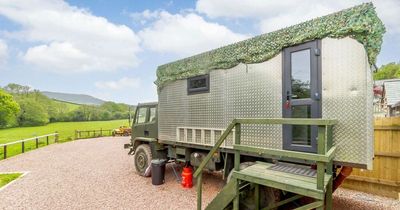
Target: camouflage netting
360 22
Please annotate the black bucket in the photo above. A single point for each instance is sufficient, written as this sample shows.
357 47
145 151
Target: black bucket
158 171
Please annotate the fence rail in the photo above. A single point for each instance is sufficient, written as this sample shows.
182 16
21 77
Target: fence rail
384 179
92 133
36 138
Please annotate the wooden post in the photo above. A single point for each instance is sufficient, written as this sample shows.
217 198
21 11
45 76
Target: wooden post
101 132
76 134
47 140
237 166
321 165
199 191
37 143
257 196
23 147
56 137
5 151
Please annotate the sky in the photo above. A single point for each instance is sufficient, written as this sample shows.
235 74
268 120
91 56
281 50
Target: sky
111 49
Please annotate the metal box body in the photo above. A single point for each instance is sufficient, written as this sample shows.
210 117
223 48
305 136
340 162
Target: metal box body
255 91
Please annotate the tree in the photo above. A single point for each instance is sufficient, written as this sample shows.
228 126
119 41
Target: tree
16 88
32 113
388 71
9 109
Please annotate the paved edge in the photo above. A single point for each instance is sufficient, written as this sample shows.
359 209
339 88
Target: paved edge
23 173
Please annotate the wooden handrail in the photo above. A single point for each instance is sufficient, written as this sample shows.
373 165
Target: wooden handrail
24 140
322 158
286 121
285 153
214 149
36 138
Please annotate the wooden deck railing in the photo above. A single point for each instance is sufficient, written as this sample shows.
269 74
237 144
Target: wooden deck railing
323 158
22 142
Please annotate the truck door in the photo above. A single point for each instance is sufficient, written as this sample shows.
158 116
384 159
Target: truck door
301 95
145 124
151 129
140 122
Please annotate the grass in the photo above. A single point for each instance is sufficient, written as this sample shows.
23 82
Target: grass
70 106
66 131
7 178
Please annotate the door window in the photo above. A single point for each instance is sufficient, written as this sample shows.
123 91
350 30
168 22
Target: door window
141 115
152 114
301 95
301 74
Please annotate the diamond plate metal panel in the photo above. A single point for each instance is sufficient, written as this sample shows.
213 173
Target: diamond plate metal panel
255 91
252 91
347 97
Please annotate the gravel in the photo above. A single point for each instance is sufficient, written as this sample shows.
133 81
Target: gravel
98 174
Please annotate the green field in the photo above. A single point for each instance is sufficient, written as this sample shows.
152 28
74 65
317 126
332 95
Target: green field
7 178
66 132
70 106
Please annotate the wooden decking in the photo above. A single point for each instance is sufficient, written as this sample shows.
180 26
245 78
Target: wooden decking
261 173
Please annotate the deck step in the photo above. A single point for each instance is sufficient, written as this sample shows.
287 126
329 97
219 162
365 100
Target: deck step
294 169
224 197
267 174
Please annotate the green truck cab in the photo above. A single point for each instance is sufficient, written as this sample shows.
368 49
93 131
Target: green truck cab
146 146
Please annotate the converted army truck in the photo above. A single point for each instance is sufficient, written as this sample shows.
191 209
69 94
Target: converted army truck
319 69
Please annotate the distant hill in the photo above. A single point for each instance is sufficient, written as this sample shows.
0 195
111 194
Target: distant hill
73 98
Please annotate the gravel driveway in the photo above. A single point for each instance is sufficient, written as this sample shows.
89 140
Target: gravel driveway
98 174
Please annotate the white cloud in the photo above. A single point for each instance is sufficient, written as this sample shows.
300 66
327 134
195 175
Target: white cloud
272 15
3 52
185 34
120 84
145 16
70 39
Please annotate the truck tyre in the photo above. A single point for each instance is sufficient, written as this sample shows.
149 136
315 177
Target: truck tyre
143 158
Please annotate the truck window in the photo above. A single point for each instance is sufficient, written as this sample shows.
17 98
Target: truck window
198 84
152 114
141 116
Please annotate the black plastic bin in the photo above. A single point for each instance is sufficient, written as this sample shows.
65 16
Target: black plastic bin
158 171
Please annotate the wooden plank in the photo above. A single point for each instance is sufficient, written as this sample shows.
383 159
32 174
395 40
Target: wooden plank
287 153
312 181
290 185
214 149
262 170
224 197
237 152
375 180
280 203
387 128
199 191
388 154
28 139
311 206
287 121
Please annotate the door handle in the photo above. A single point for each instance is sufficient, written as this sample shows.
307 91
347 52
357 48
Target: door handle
317 96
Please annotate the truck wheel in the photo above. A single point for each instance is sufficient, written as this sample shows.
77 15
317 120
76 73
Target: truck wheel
143 158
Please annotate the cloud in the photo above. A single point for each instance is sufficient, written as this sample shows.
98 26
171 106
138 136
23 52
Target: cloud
184 34
70 39
120 84
272 15
3 52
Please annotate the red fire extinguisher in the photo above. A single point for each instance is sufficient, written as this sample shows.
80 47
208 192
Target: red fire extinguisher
187 177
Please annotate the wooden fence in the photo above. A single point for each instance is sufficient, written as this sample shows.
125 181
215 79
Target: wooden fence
384 179
92 133
23 141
